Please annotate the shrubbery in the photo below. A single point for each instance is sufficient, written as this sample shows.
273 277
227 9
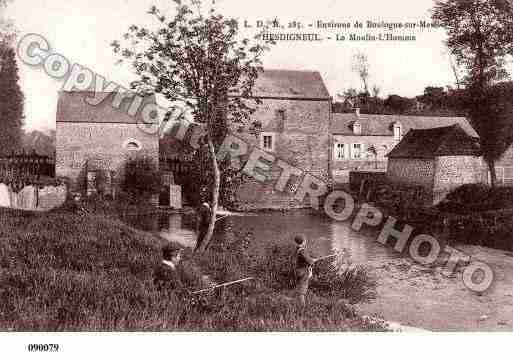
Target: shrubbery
141 178
471 198
481 215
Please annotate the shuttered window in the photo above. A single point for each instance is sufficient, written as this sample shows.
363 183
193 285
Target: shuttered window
340 151
357 150
267 141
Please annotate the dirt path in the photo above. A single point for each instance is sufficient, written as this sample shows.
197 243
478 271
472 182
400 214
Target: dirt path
420 297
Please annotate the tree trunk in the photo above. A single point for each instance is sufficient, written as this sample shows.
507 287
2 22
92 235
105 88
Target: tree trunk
493 173
215 197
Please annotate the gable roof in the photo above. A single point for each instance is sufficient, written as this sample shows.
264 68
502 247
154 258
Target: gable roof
290 84
72 107
382 125
434 142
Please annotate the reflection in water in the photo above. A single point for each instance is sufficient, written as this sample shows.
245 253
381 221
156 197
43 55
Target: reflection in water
173 231
324 235
362 247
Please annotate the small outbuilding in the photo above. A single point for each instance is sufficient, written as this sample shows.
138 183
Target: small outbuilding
437 159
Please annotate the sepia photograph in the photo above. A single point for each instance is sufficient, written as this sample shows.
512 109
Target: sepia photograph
175 169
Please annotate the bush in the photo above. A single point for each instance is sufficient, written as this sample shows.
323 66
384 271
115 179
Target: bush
141 178
333 277
472 198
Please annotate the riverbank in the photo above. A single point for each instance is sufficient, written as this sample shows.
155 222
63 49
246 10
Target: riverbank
409 294
66 270
420 297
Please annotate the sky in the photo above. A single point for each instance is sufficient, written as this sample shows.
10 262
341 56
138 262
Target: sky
83 30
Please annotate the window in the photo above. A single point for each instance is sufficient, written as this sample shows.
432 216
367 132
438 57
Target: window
280 119
267 141
499 173
132 145
340 150
384 151
357 151
398 131
357 128
507 178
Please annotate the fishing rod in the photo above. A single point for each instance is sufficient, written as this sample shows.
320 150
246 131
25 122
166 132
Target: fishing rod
221 285
223 217
326 257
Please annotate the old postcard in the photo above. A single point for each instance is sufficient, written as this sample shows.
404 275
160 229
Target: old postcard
255 166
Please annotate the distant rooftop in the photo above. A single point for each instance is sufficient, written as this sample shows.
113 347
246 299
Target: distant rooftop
434 142
72 107
291 84
382 125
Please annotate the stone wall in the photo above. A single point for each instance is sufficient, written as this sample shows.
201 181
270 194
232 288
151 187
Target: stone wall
454 171
33 197
438 176
412 172
356 178
302 140
108 145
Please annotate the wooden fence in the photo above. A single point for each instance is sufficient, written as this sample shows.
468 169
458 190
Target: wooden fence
25 168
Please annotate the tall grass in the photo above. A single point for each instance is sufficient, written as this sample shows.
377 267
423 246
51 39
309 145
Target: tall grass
63 271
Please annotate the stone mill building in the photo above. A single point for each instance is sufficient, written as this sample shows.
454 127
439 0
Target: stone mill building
98 137
295 115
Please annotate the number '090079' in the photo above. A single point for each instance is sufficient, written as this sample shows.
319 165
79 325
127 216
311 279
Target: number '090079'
43 347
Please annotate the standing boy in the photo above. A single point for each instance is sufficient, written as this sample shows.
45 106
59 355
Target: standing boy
304 268
202 222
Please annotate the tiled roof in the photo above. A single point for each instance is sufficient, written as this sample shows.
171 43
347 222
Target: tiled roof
434 142
290 84
72 107
382 125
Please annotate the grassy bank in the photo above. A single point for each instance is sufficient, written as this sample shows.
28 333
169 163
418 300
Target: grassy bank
77 271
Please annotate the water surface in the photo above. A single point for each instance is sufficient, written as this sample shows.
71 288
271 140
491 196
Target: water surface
324 235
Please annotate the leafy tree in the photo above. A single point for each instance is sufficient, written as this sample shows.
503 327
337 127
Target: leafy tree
199 60
495 124
11 97
434 97
397 104
11 102
480 36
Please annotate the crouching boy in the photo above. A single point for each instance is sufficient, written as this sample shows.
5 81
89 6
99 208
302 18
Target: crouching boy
167 276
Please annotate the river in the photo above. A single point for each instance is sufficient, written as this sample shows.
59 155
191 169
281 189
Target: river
408 293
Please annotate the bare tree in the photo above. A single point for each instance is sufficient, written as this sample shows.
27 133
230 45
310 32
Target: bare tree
361 67
376 90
